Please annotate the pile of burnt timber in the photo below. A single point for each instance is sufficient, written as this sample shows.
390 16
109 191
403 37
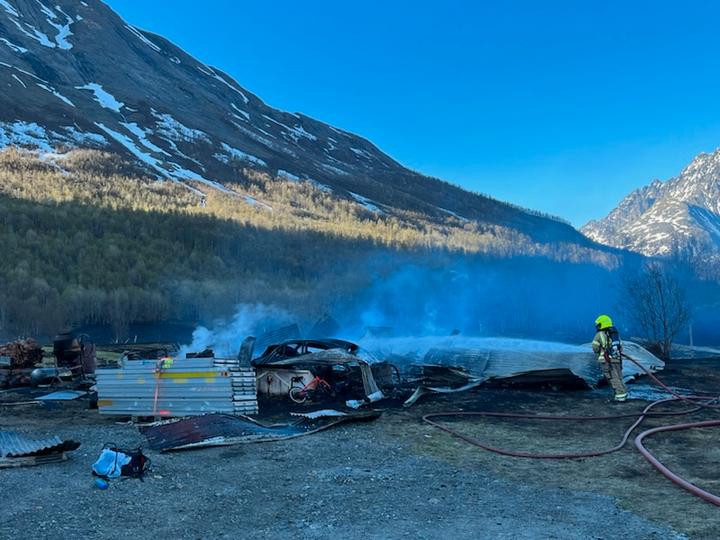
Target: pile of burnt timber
181 387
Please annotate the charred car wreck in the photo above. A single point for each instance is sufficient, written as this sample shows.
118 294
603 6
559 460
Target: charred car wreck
321 369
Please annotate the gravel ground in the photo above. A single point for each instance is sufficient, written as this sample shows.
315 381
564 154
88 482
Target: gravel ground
392 478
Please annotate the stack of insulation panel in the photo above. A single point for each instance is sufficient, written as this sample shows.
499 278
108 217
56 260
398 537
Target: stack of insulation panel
183 387
244 385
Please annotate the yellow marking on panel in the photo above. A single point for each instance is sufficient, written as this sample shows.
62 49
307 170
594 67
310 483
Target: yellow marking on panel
105 402
189 375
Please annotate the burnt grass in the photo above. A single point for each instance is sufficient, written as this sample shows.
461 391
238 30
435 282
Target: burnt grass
624 475
396 477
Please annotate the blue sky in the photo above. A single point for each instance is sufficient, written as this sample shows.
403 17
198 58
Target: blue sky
560 106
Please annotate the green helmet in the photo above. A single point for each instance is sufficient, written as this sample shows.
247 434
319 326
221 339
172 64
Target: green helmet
603 322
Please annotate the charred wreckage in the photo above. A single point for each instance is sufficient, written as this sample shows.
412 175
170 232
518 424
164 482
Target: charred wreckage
198 399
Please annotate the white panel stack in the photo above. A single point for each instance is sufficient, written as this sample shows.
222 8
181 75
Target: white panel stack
185 387
244 385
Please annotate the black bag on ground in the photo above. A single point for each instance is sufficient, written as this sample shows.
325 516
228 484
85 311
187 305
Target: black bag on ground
136 466
138 463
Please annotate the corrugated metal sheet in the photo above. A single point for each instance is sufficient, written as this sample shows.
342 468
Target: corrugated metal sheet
18 445
504 358
223 430
62 395
187 387
278 335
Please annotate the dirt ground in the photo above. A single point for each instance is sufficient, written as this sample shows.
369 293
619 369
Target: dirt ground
396 477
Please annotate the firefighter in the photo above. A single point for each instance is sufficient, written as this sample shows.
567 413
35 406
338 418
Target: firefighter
608 347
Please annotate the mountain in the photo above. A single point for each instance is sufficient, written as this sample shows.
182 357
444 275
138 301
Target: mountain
75 75
665 218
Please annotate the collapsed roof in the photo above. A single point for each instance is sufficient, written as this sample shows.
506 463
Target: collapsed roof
503 358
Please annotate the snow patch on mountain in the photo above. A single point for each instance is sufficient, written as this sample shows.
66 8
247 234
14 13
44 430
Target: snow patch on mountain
63 30
181 173
172 171
663 218
33 136
334 170
13 46
288 175
26 134
36 35
265 141
141 135
53 20
366 203
295 133
85 138
63 34
245 115
234 153
128 143
138 34
105 99
55 93
8 8
47 11
23 72
177 131
217 77
453 214
361 153
319 185
252 201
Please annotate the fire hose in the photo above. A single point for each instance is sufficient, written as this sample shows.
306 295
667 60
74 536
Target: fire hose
700 402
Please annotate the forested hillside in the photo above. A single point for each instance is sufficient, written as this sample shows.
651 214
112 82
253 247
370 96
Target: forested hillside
97 82
85 239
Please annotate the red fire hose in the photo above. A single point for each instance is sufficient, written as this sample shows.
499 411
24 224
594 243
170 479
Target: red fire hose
692 488
700 402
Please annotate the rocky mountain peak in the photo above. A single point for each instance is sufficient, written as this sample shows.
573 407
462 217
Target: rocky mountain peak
664 218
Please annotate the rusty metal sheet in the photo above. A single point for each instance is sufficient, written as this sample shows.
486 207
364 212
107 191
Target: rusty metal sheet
226 430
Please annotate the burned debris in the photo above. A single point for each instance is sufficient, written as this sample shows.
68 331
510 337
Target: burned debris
288 352
226 430
17 360
457 364
271 390
319 369
23 362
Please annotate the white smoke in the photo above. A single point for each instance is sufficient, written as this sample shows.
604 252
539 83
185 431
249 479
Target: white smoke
225 337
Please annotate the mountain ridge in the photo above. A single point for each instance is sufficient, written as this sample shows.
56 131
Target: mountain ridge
680 216
79 76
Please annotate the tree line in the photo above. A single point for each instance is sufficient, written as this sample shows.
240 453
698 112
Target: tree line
84 239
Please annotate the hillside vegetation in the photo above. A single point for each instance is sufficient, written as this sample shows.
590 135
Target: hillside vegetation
86 240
